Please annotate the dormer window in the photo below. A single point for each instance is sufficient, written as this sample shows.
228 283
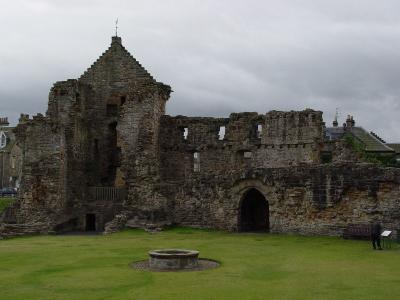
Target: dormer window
3 140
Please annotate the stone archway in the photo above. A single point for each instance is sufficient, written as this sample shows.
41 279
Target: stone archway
253 212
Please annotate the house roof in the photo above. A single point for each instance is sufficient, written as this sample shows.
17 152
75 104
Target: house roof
372 144
394 146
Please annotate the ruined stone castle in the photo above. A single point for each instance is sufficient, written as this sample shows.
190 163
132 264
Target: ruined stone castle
106 156
10 157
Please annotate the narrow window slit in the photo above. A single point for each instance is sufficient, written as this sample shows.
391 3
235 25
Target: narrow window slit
221 133
196 162
259 130
185 133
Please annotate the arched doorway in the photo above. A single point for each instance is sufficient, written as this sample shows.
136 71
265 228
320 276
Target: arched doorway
254 212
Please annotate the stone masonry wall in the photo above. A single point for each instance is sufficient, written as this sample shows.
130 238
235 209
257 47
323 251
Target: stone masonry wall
283 139
320 199
138 131
107 131
43 187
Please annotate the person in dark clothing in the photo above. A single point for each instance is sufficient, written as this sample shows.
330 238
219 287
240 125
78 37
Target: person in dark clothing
376 235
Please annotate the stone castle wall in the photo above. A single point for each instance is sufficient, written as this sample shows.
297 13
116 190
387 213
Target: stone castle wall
106 149
321 199
277 139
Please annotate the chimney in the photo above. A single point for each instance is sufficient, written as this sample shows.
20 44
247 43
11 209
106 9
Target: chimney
348 122
4 121
335 121
353 123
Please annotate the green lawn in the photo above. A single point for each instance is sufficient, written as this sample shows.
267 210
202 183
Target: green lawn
254 266
4 202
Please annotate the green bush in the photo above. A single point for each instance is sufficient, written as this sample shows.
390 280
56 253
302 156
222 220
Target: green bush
4 202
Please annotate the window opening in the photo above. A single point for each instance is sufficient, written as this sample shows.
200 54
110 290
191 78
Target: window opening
196 162
3 139
247 154
96 149
123 99
259 130
221 133
185 133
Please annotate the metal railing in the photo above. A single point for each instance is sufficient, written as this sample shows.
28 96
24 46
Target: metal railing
104 193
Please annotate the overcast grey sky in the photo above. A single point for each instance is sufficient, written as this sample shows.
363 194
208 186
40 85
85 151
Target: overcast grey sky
219 56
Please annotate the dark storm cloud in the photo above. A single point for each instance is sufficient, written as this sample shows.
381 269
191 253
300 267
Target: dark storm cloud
218 56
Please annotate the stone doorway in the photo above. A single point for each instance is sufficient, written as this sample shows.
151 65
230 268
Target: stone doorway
90 222
254 212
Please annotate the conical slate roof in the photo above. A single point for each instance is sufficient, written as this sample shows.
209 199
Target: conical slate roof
116 65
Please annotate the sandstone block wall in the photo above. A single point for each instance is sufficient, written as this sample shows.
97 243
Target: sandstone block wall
277 139
106 153
321 199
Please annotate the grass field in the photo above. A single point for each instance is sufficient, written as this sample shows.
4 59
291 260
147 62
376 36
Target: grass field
253 266
4 202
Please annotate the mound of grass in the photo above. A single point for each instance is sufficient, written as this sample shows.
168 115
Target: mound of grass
4 202
253 266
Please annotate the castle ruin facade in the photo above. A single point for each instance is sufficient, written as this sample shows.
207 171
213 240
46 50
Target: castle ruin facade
106 156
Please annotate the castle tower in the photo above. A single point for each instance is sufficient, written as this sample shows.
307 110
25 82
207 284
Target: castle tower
99 134
126 104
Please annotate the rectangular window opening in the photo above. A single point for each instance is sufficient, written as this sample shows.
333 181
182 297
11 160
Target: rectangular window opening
259 130
221 133
123 99
96 148
196 162
185 133
247 154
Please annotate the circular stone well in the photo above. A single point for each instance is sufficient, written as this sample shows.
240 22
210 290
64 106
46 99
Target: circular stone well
173 259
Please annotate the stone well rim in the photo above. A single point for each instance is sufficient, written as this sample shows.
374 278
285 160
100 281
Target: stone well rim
173 253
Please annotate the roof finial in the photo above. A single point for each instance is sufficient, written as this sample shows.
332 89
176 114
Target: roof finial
335 121
116 27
